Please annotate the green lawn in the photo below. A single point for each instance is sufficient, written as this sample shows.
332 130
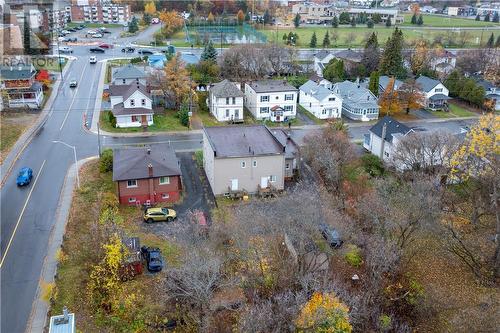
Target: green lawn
162 123
455 111
207 119
309 115
96 25
356 36
49 63
441 21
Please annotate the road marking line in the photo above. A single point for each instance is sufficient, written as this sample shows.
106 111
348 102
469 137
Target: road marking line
21 215
74 98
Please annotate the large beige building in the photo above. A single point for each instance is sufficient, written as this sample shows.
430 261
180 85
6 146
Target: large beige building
238 158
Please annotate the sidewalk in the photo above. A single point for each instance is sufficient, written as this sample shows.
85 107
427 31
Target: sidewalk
40 308
26 137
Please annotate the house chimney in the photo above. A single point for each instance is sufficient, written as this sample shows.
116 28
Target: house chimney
150 170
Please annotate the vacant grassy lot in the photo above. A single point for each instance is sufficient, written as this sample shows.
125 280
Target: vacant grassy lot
96 25
50 63
452 22
455 111
356 37
12 126
167 121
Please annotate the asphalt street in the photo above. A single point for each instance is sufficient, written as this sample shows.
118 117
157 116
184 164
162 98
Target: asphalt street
27 214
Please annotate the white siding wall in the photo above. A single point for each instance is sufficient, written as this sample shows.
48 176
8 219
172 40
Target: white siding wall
208 161
254 104
433 92
126 121
116 100
218 107
137 97
375 146
333 109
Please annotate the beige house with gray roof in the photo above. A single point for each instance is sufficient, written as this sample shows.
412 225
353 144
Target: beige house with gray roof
239 158
225 101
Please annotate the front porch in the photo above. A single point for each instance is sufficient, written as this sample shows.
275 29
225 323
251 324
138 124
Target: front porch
26 97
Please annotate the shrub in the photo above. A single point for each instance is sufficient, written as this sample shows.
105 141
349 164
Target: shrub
106 161
109 200
353 256
202 104
198 157
385 322
136 60
111 119
183 115
373 165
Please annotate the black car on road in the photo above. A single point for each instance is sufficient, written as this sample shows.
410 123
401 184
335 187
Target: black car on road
128 49
152 255
142 51
96 50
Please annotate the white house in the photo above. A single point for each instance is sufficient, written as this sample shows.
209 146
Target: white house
491 92
320 101
392 131
131 105
128 74
225 101
436 94
321 59
274 100
444 62
358 103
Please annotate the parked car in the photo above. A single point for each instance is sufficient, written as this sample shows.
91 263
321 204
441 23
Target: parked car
71 30
96 50
152 256
93 59
68 39
159 214
73 83
97 35
65 32
104 46
106 32
128 49
24 176
331 235
65 49
143 51
91 32
78 27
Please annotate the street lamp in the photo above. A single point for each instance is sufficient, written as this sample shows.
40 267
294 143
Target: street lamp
76 161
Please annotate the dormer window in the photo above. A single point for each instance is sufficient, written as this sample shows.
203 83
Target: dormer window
124 81
143 102
132 102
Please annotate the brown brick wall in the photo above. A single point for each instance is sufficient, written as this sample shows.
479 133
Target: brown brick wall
150 189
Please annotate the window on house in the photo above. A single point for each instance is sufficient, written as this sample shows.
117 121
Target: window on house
132 183
264 110
264 98
288 108
227 100
287 166
131 200
132 102
331 98
254 164
438 90
164 180
135 118
124 81
289 97
386 154
150 118
227 113
323 112
234 100
243 164
272 179
143 102
165 195
137 80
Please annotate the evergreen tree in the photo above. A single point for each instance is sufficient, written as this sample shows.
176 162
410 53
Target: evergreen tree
370 23
353 22
326 40
374 82
495 17
209 53
497 43
371 53
146 18
247 17
420 20
314 41
335 22
334 71
285 38
388 22
478 18
391 63
133 25
414 19
296 20
26 36
491 41
376 18
454 82
487 17
344 18
267 17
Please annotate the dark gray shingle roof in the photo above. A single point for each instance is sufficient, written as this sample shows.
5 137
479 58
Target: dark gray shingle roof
132 163
239 141
271 86
17 72
427 83
127 90
349 55
315 90
226 88
383 81
322 54
393 127
120 110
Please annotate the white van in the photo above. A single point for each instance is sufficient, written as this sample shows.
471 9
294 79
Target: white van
93 59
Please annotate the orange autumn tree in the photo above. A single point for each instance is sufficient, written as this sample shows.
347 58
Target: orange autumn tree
241 17
172 22
411 96
389 101
324 313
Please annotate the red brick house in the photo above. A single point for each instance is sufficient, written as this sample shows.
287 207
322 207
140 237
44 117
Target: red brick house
147 175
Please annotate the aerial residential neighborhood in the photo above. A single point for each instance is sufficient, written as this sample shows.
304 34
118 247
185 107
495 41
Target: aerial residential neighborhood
249 166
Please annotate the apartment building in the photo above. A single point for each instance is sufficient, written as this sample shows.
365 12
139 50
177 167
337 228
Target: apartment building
100 11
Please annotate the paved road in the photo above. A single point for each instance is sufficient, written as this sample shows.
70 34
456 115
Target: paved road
27 215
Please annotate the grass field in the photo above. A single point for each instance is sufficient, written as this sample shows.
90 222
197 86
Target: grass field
356 36
455 111
96 25
49 63
12 126
162 122
443 21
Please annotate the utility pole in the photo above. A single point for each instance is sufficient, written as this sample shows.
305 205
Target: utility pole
382 145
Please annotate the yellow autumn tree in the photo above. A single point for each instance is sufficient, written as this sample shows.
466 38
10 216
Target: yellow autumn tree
176 82
150 8
172 22
210 18
104 284
324 313
420 57
389 101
